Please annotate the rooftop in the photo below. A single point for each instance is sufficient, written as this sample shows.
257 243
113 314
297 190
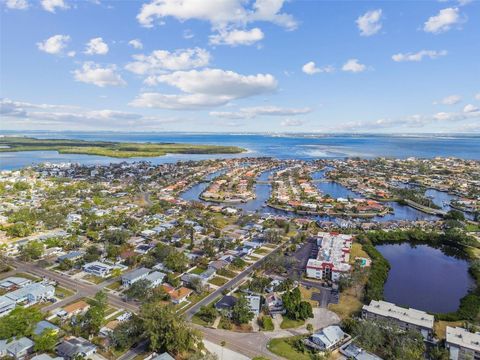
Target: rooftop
463 338
412 316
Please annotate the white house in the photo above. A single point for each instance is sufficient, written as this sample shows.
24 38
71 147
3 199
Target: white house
133 276
462 344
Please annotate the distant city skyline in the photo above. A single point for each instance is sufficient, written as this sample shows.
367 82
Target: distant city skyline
240 66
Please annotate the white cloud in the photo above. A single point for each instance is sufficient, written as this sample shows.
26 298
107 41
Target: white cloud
188 34
236 37
292 122
161 60
450 100
136 44
443 21
311 68
54 45
369 23
220 13
205 88
92 73
418 56
252 112
353 65
52 5
20 112
469 108
17 4
96 46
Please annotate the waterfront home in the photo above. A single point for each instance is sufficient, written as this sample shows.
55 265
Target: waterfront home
98 268
406 319
32 294
462 344
328 339
17 349
133 276
72 347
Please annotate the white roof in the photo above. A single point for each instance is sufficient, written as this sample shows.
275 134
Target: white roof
330 335
411 316
463 338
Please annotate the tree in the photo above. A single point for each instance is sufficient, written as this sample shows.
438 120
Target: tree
125 334
19 229
92 254
296 309
45 341
139 290
116 237
32 250
241 313
19 322
167 330
207 314
93 319
454 215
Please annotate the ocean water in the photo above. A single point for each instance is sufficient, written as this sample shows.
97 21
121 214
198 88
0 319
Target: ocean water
300 146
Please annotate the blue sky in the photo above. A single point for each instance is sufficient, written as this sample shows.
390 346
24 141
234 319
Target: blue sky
240 66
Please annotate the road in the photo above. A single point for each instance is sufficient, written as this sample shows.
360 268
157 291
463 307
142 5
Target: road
229 285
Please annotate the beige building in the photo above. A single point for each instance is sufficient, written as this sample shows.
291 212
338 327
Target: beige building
405 318
462 344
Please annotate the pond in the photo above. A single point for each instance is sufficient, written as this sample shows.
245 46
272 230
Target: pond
425 278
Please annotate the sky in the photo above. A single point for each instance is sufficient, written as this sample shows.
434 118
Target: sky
240 66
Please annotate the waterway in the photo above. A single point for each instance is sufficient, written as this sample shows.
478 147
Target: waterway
425 278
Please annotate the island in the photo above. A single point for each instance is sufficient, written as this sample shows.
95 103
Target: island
111 149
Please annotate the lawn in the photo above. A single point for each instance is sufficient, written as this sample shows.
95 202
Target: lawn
197 270
226 273
357 251
218 281
261 251
199 321
290 324
266 323
114 286
63 293
440 327
23 275
347 305
283 347
307 295
94 279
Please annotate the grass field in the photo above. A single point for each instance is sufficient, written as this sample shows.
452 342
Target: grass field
218 281
283 347
291 324
63 293
440 327
111 149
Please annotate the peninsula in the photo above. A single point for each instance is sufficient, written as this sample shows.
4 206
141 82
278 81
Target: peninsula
111 149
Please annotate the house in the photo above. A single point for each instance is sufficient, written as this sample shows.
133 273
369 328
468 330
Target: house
44 325
226 303
207 274
71 256
329 338
177 295
6 305
98 268
14 282
18 349
45 357
77 308
32 294
274 303
163 356
354 352
71 347
109 327
143 248
133 276
406 319
155 278
217 265
462 344
254 302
